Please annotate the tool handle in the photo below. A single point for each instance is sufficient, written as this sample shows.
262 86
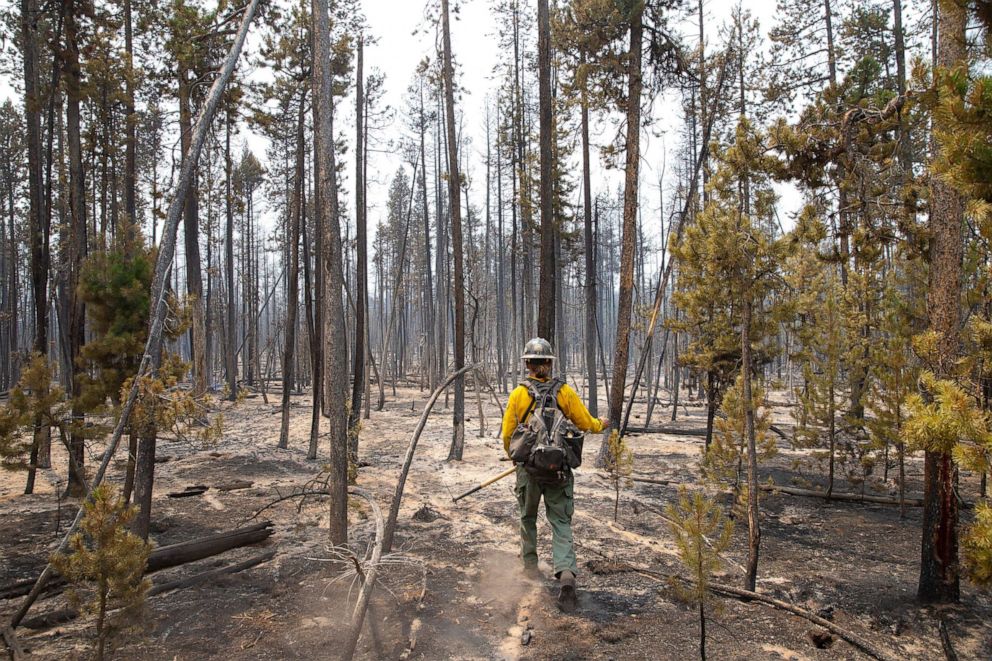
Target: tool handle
485 484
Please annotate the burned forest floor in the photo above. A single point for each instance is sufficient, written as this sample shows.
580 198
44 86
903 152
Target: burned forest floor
452 589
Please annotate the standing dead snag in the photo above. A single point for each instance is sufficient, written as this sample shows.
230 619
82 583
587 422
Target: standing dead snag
455 210
394 506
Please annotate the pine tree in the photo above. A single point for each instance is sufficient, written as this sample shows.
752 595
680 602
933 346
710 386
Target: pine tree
894 383
106 567
819 399
619 466
701 534
731 249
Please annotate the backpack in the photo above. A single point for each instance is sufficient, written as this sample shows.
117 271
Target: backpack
546 443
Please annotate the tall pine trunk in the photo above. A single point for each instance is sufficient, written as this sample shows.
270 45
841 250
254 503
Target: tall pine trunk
231 354
361 277
939 580
77 234
753 524
335 357
191 235
293 275
546 292
590 284
625 304
37 225
454 204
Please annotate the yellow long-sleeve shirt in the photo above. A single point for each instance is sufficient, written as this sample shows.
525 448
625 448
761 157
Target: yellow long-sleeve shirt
568 402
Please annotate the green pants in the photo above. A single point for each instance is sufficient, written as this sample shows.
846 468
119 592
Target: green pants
559 506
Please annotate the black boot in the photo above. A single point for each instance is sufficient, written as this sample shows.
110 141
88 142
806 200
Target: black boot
566 595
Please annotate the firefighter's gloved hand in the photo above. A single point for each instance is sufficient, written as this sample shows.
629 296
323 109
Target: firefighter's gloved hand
605 422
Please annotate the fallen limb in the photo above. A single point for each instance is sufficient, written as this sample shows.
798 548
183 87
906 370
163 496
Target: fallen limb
945 639
234 486
851 497
634 478
198 490
63 615
865 646
17 652
746 595
368 575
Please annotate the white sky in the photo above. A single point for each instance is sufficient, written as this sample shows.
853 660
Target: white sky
474 43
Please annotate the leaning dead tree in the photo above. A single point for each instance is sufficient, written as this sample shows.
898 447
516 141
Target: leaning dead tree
367 575
394 506
163 265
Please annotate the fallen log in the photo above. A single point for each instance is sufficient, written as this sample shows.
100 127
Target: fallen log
839 495
234 486
200 577
172 555
865 646
198 490
205 547
63 615
674 431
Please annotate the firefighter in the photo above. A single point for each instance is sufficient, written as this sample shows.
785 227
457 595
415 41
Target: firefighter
556 488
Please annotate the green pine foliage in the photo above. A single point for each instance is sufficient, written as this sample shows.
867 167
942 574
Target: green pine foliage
944 418
727 259
36 397
823 350
896 380
106 567
116 285
619 466
702 533
726 459
977 546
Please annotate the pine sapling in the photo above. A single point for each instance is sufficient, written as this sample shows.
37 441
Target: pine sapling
619 466
702 533
106 567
